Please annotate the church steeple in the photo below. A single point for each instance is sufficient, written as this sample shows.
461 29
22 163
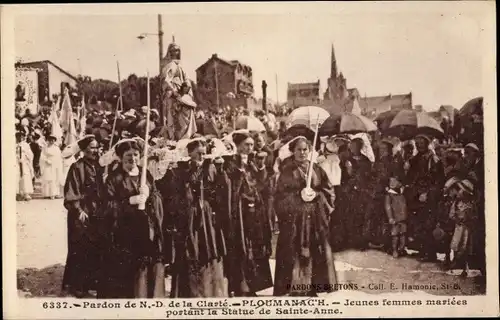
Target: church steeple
333 70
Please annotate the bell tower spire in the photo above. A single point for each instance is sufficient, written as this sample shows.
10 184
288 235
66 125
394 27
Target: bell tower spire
333 70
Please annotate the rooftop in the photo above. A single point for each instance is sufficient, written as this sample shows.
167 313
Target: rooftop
303 86
34 63
387 100
215 56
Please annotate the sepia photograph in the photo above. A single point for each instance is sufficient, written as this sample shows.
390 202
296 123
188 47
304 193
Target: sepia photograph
250 159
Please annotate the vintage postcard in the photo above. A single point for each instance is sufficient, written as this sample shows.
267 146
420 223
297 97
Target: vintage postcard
229 160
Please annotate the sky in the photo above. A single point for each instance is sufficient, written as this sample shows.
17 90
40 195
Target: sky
383 48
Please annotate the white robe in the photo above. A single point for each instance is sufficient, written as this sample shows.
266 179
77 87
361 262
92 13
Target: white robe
24 169
331 165
51 165
67 162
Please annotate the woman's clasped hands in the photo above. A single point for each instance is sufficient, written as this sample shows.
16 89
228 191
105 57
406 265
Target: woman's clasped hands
141 198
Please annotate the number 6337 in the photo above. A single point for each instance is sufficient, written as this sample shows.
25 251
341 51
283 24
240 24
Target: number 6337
55 305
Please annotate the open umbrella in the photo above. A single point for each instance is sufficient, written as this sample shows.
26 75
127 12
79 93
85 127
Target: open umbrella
384 119
249 123
473 106
409 123
298 130
346 122
309 116
229 137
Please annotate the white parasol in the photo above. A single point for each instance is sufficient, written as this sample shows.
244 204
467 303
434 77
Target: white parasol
309 116
249 123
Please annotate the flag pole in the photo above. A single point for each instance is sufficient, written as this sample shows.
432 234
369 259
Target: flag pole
142 206
277 96
82 114
119 106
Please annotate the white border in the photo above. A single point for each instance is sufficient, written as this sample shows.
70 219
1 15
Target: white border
15 308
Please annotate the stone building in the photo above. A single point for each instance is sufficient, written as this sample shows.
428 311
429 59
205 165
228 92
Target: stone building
373 106
337 97
223 82
303 94
26 90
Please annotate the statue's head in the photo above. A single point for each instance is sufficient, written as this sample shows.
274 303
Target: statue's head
173 52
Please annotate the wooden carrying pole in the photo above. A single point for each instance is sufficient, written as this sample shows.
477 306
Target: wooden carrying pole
308 194
142 278
264 96
119 106
142 206
161 105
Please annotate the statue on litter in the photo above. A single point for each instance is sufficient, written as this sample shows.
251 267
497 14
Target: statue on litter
179 97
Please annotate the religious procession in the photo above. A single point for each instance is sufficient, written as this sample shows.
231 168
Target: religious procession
207 197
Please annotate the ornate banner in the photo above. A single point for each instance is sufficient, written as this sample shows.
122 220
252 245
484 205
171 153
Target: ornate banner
26 94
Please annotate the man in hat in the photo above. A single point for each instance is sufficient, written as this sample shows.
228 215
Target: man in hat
83 200
425 179
474 163
24 165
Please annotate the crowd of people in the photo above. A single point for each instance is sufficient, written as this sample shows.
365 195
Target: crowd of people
41 161
211 221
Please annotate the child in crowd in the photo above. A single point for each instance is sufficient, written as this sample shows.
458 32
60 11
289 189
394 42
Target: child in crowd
445 226
463 213
397 213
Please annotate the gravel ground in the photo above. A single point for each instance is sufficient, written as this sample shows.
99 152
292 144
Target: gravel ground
41 254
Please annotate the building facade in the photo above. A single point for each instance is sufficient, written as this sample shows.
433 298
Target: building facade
303 94
51 79
337 97
223 82
373 106
26 90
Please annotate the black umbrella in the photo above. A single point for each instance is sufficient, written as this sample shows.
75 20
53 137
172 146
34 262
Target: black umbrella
384 119
473 106
409 123
346 122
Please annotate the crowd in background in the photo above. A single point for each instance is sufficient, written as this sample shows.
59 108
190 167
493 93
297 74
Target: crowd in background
379 193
